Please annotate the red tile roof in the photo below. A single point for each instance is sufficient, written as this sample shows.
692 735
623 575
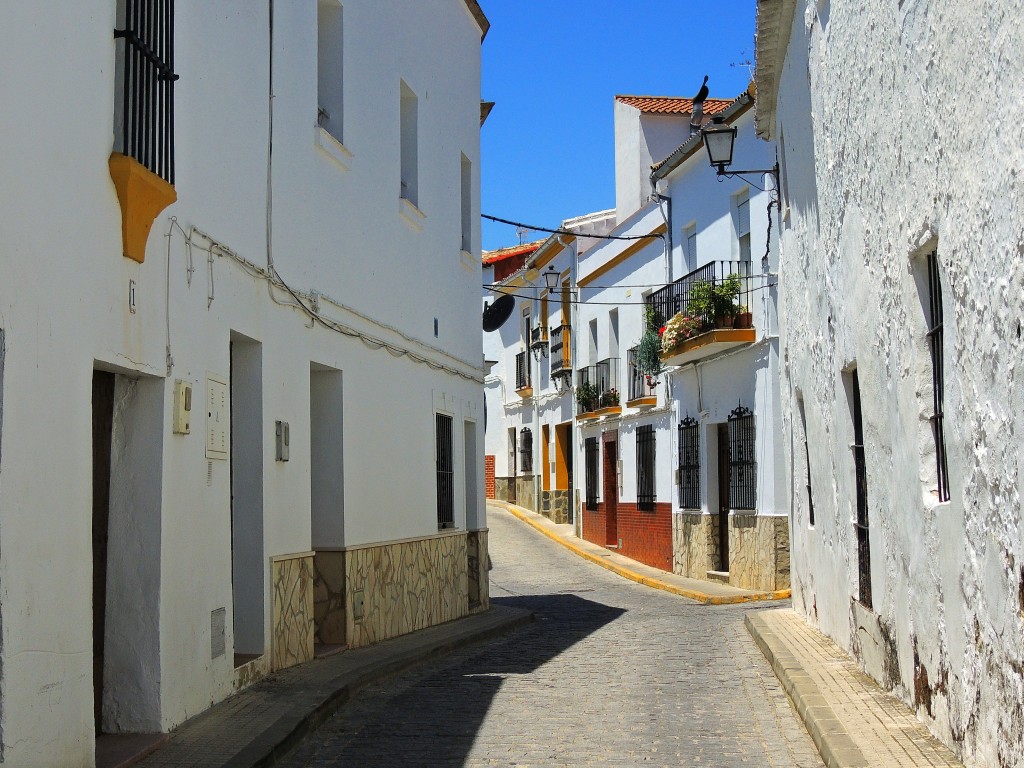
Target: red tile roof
672 105
491 257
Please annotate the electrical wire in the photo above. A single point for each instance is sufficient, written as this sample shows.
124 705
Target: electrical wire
590 302
300 299
562 231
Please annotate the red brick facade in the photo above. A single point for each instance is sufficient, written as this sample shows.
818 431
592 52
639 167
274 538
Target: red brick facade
646 536
489 477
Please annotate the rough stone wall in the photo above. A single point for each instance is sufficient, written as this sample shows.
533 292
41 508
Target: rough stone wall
554 505
405 586
525 496
501 488
758 549
292 602
886 158
329 597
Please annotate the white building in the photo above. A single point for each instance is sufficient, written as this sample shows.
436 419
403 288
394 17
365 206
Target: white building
900 296
237 362
635 488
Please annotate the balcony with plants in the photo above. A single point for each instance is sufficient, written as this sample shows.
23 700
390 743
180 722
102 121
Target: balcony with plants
705 313
597 389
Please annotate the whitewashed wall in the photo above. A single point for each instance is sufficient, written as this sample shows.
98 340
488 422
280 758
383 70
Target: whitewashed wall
901 130
64 310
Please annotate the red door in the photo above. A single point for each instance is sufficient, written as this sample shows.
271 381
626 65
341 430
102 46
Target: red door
611 488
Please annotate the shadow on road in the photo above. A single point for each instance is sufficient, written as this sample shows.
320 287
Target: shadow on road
436 720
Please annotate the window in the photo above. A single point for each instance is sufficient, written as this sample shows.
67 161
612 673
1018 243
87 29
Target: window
690 238
592 460
934 336
645 487
861 475
743 225
689 463
144 102
807 460
526 450
522 370
329 69
466 186
742 465
445 472
613 333
409 148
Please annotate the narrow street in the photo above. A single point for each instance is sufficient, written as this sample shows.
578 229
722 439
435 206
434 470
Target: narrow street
612 673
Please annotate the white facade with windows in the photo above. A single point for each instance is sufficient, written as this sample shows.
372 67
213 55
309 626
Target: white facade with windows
315 317
900 297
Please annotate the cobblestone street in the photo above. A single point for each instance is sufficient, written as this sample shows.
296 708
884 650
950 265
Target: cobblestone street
611 674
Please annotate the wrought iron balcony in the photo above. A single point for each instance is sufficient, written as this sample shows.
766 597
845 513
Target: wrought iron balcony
597 386
715 301
638 386
561 346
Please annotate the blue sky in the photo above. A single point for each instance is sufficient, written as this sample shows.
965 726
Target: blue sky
554 67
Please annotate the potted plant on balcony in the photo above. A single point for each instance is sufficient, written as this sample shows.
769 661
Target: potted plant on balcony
744 318
680 328
701 302
648 362
586 397
723 300
610 398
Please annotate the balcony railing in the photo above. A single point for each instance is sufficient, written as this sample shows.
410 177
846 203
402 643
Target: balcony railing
679 296
638 386
523 370
597 386
561 346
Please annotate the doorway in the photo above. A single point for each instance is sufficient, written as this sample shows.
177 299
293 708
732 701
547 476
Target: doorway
102 434
512 477
723 498
611 488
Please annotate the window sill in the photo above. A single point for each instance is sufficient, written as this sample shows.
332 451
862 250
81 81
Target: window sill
412 215
333 148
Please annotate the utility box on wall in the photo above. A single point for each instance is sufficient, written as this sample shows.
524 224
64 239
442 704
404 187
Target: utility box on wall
182 419
217 417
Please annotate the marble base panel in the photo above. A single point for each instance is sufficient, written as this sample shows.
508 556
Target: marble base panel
478 571
504 488
525 496
292 607
329 597
758 549
554 505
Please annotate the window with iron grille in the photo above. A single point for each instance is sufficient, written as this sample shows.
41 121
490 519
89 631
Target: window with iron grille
522 370
807 459
742 464
645 489
593 459
445 472
861 474
689 463
743 225
526 450
938 375
144 101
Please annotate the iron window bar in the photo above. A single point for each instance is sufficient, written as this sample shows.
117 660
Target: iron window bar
526 450
742 461
522 370
861 474
592 462
645 485
935 345
147 87
445 472
689 463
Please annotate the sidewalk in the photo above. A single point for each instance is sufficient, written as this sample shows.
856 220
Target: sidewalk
257 726
707 592
852 721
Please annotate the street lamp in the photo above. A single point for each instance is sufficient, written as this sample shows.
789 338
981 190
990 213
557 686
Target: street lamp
719 140
551 278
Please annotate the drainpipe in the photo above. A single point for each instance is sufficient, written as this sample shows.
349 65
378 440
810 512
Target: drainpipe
573 326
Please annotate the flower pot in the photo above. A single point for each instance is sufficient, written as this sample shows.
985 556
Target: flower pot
744 320
723 321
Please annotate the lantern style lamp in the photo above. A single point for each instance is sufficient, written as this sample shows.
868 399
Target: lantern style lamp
719 140
551 279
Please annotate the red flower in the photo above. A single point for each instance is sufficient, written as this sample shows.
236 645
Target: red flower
661 331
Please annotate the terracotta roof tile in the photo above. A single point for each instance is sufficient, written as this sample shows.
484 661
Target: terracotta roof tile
672 105
500 254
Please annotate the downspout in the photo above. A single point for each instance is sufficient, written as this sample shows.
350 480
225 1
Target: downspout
573 326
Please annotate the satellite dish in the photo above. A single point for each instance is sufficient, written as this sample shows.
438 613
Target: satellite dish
497 313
